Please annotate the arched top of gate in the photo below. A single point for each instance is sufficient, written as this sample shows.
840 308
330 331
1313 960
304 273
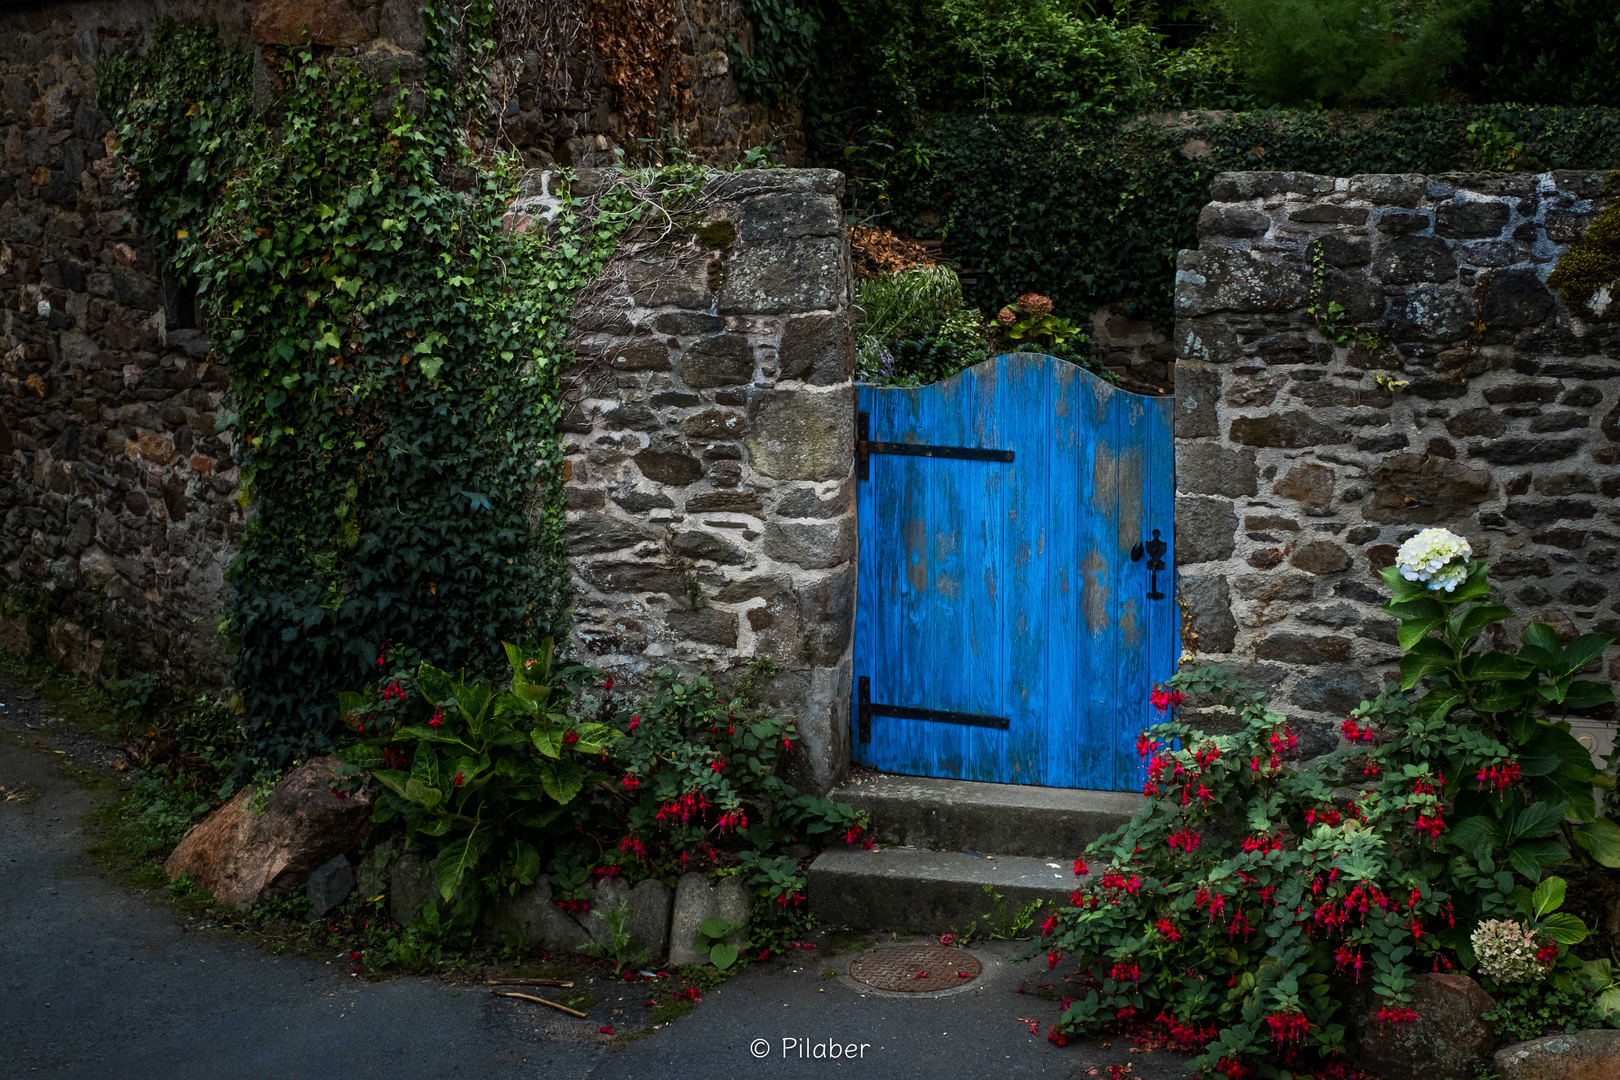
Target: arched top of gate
1026 363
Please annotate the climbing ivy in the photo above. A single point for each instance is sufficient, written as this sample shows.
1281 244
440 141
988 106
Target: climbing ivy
394 353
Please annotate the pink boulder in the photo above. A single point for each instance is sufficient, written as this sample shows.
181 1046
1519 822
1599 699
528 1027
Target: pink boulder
242 856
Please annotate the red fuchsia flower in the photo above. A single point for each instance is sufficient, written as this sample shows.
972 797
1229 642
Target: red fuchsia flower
457 781
1288 1027
1123 971
1328 816
570 738
574 907
437 718
382 656
1052 959
1167 929
1080 867
1145 745
1233 1070
1034 1027
1046 927
630 782
967 975
1127 1013
1056 1037
1185 840
393 759
635 721
1206 755
1548 953
947 939
787 745
1396 1014
608 683
605 1029
1430 824
1439 960
1498 777
733 820
340 794
1355 733
689 994
1164 699
634 846
1262 844
852 834
717 764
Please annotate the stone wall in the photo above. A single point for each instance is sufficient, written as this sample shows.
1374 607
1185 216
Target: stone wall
1305 456
118 501
711 507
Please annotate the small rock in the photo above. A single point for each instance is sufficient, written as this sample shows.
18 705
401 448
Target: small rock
1593 1054
695 901
329 885
242 856
411 885
371 878
1450 1037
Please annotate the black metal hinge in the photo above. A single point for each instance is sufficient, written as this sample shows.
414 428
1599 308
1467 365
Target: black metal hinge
865 447
868 708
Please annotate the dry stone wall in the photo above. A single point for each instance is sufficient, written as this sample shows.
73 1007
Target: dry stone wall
710 496
118 500
1308 449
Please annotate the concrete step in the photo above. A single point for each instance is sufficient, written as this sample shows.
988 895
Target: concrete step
917 891
996 819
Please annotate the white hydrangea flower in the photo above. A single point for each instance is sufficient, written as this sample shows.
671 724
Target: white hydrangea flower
1437 557
1507 952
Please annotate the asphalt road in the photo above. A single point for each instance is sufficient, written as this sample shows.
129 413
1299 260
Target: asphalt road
97 981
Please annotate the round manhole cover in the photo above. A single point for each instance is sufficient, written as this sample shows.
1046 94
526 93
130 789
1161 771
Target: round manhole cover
916 969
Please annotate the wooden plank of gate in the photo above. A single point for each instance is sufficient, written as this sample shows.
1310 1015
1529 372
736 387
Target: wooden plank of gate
1067 661
1132 583
1026 412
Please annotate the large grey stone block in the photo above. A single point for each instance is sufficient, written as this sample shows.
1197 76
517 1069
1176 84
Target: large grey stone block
697 900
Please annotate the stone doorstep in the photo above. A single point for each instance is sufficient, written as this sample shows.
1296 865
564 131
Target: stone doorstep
917 891
995 819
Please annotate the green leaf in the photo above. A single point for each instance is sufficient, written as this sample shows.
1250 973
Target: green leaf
716 926
1415 666
1411 632
425 765
563 780
1524 861
1472 834
1536 820
1584 649
1478 618
1423 607
1608 1007
1562 927
474 703
1493 665
548 742
362 755
457 859
723 956
1602 839
1587 695
349 701
1548 897
435 685
1541 636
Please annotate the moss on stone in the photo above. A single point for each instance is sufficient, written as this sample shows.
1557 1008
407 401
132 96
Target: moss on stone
716 234
1592 263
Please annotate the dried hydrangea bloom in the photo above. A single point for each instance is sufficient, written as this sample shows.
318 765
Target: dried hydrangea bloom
1436 557
1507 952
1035 304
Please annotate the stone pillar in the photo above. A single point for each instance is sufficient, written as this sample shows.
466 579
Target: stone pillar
710 446
1448 387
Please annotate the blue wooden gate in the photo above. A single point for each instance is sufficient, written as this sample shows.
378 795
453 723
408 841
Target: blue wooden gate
1016 594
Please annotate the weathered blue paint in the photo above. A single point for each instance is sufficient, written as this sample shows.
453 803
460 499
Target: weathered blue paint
1009 589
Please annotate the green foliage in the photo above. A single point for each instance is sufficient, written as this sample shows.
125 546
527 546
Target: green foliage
1346 52
136 833
483 771
1514 705
1249 883
1543 52
916 328
710 941
1584 994
1092 211
1593 260
1030 322
1003 922
617 949
394 354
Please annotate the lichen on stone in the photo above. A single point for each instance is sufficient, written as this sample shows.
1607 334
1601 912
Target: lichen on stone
1588 275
